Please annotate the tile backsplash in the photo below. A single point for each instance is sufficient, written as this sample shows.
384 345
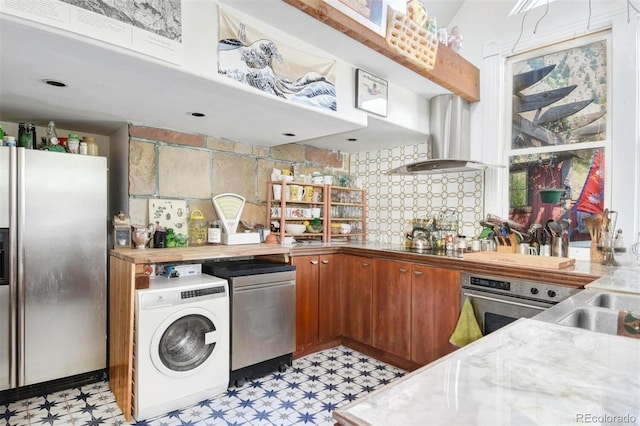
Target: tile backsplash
393 200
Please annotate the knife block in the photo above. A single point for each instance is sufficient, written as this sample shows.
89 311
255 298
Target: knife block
504 248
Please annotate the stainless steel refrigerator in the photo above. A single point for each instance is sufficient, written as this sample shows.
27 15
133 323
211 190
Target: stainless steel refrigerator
53 219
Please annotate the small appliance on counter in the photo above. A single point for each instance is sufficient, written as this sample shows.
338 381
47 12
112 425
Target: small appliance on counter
229 208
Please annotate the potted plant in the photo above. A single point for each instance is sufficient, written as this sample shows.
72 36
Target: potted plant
550 195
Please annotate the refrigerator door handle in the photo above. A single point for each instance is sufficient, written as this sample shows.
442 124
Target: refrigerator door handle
19 255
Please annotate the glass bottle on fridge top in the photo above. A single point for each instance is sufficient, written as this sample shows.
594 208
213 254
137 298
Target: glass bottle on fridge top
52 137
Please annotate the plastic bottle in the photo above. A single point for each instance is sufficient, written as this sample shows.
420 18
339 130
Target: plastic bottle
52 137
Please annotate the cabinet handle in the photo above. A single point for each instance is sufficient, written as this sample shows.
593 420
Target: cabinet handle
418 272
403 270
325 261
314 262
365 264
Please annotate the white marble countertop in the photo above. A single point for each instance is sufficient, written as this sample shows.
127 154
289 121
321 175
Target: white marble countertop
529 372
624 279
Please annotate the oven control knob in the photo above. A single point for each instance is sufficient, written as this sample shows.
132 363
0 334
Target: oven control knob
534 290
551 293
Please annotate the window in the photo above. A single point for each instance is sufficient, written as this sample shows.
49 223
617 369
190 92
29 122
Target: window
559 98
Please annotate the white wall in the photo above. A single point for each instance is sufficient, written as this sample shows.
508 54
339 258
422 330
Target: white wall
490 37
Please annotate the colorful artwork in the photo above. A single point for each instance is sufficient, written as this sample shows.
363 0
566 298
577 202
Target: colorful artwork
262 62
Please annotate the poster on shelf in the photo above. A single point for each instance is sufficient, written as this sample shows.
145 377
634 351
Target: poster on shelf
154 31
272 66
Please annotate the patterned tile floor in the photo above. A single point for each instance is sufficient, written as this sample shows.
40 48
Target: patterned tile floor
307 393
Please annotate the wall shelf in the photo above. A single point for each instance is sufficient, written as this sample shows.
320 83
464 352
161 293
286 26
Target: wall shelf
451 70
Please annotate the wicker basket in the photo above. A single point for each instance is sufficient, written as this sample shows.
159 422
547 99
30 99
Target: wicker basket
406 38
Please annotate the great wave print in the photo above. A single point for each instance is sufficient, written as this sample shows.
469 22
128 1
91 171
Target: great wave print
273 67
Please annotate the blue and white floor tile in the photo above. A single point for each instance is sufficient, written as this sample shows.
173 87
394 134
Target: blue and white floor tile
307 394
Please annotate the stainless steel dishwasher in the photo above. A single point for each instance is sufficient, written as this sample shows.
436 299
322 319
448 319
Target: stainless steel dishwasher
263 316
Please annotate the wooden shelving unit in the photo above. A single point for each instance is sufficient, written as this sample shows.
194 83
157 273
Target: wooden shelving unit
337 205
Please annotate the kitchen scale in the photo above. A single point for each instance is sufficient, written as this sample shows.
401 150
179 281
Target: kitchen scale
229 209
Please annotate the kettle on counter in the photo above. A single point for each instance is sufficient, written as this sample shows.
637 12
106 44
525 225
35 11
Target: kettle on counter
421 241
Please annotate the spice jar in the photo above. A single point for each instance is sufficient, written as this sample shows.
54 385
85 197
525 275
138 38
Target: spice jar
92 146
197 229
214 233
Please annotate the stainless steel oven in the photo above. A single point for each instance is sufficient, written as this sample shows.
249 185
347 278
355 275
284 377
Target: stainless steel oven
498 301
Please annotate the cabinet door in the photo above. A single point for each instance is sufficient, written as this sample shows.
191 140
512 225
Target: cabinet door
330 297
392 307
435 308
357 276
307 271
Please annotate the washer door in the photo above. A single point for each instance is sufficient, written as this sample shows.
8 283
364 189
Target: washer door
184 342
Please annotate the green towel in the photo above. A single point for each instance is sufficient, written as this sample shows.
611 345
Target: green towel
467 330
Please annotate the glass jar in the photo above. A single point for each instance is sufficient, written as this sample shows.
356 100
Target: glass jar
92 146
27 135
73 143
214 233
197 229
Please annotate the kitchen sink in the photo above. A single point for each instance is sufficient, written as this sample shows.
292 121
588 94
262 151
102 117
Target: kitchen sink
594 319
592 310
616 301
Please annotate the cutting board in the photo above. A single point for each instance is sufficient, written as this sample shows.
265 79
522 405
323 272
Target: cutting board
521 259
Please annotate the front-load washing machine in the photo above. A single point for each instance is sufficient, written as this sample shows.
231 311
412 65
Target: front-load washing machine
181 346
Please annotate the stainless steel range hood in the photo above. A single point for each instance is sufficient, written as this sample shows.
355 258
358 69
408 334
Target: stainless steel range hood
450 139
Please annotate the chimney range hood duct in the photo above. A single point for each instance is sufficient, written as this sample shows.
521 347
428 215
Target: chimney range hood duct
450 139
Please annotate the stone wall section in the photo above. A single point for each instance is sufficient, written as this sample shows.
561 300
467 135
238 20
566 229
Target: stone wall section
174 165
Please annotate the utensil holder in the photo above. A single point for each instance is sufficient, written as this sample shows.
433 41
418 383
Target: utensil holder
560 246
595 254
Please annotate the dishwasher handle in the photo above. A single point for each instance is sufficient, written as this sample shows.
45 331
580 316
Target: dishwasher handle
263 286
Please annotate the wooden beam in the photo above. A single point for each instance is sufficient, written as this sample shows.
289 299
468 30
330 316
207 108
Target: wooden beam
451 70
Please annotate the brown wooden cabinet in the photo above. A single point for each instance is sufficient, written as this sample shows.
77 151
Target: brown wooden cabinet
307 272
357 290
330 297
392 307
318 299
435 308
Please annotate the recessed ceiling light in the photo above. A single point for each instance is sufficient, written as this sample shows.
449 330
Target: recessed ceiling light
54 83
352 139
197 114
289 134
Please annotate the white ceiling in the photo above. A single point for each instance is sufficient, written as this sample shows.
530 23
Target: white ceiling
107 89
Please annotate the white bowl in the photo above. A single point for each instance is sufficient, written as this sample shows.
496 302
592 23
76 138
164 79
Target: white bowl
293 228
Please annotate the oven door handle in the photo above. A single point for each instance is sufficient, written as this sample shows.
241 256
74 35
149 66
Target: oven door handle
507 302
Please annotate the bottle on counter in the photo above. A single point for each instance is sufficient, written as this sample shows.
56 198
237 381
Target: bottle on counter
214 235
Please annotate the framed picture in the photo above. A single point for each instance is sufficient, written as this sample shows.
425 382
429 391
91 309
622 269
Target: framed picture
371 93
372 13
